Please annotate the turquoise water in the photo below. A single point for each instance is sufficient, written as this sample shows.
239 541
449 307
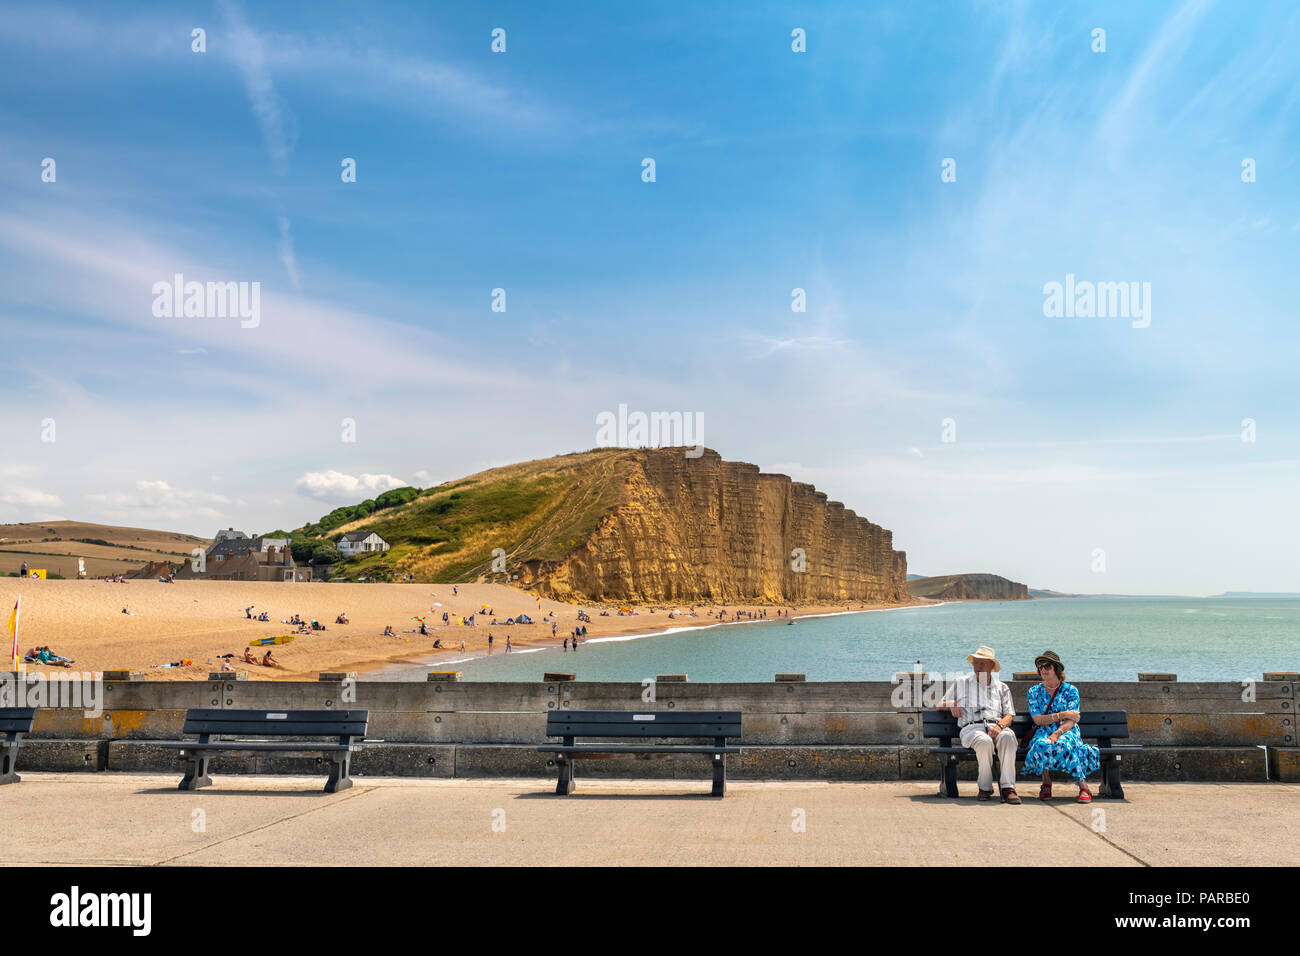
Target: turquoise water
1097 638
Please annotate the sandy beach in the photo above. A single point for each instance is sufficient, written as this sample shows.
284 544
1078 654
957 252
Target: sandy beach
201 620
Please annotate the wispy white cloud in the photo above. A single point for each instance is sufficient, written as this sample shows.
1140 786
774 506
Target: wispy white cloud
158 499
249 53
30 498
286 251
336 486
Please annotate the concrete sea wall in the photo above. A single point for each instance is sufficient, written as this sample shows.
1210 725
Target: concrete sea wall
832 730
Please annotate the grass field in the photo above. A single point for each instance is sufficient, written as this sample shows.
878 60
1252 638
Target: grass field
108 549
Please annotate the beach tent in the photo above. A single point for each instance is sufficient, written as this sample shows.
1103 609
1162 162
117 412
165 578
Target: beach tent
626 610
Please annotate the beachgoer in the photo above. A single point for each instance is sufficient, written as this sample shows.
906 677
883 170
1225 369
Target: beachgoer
269 661
1056 744
462 645
490 642
248 612
388 631
566 645
984 711
23 572
437 643
507 643
248 657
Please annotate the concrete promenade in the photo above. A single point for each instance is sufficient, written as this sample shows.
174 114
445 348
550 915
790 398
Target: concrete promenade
143 820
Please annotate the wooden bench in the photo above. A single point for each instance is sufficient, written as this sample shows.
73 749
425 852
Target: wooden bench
348 726
640 725
15 722
1103 726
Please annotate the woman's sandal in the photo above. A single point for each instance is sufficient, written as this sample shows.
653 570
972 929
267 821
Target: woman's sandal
1085 795
1045 792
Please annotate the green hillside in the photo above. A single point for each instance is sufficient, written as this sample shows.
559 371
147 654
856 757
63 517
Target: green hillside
537 510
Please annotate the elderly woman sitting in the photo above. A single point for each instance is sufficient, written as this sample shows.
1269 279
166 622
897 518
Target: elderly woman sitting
1056 744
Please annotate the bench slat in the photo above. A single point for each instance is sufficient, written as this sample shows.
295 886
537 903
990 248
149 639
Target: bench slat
660 716
17 720
299 716
232 745
321 723
633 749
352 728
627 730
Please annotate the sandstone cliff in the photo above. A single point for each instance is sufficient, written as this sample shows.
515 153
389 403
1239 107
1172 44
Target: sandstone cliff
637 526
704 529
968 587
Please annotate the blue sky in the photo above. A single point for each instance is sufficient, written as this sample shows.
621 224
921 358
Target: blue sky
775 170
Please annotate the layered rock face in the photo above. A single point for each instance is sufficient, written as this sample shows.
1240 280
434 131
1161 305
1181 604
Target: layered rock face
969 587
704 529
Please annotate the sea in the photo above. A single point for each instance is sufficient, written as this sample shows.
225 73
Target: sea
1111 639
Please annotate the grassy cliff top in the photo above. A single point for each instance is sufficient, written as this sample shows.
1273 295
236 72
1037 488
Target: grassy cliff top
534 510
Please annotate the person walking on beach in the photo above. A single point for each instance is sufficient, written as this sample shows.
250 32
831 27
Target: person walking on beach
566 645
1056 744
489 642
984 711
507 643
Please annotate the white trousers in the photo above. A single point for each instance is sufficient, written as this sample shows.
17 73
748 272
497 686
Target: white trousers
975 737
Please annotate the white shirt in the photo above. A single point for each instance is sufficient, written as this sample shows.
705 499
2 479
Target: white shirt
981 703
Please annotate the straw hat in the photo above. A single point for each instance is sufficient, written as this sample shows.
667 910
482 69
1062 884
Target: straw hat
985 653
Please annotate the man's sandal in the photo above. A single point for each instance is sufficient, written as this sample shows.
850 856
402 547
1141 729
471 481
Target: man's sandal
1045 792
1009 795
985 795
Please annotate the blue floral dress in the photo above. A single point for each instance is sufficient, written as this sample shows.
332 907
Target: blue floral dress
1069 754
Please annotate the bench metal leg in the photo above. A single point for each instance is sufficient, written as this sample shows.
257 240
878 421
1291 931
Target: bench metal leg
948 777
719 775
8 755
196 772
565 785
1111 788
340 772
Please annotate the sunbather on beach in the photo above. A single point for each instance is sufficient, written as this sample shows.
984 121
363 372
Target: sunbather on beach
269 661
248 657
388 631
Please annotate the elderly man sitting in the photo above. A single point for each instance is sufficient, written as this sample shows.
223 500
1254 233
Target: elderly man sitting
982 705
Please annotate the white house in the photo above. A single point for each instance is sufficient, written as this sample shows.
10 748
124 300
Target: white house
360 542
